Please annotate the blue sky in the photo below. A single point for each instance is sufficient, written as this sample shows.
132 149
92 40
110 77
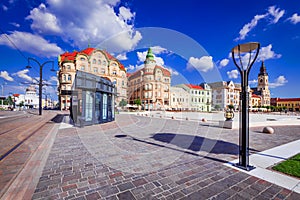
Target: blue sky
192 38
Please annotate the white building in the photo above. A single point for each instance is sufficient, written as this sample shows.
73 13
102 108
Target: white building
179 99
30 99
225 94
199 97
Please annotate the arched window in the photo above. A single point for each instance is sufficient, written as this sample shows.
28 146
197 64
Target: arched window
99 62
69 77
94 61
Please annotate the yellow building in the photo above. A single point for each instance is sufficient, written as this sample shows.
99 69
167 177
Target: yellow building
291 104
150 84
91 60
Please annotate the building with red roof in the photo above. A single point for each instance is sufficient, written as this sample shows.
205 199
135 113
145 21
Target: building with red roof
291 104
151 85
94 61
197 97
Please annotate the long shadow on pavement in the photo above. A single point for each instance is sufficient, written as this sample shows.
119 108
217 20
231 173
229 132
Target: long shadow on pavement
197 143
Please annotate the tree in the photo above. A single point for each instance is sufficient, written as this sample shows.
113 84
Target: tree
21 104
217 107
138 102
231 107
123 103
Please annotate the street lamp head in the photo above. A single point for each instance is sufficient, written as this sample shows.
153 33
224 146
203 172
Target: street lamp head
246 54
28 67
245 48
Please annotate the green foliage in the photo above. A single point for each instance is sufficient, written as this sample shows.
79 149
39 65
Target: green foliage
123 103
290 166
230 106
137 102
21 104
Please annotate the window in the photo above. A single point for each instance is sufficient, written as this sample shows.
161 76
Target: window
99 62
102 71
82 67
94 61
82 59
95 69
64 77
69 77
104 62
114 72
68 66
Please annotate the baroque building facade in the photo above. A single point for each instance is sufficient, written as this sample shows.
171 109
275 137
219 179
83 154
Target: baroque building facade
94 61
197 98
150 85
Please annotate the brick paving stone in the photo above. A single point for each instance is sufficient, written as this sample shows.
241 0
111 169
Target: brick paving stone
93 161
92 196
125 186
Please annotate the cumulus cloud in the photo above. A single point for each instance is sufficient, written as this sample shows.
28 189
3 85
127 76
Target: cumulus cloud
42 21
267 53
273 14
15 24
122 56
204 64
279 81
173 71
253 82
6 76
142 56
159 50
233 74
276 14
31 43
94 22
130 68
224 62
23 74
295 18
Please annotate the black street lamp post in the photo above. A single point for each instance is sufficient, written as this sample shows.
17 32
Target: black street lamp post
249 53
41 79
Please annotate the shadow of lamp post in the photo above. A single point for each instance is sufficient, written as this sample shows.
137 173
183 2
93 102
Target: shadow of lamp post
246 54
41 78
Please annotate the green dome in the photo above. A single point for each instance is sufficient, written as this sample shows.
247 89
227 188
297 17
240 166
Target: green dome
150 55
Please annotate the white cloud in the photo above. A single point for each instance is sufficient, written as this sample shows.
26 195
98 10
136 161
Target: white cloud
142 56
253 82
121 56
224 62
159 50
267 53
173 71
31 43
276 13
130 68
233 74
5 8
279 81
125 14
15 24
23 74
295 18
273 14
249 26
6 76
94 22
42 21
204 64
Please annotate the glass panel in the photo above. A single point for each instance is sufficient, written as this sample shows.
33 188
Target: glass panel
104 107
88 106
98 106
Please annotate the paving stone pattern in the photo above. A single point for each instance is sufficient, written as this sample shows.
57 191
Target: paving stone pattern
151 158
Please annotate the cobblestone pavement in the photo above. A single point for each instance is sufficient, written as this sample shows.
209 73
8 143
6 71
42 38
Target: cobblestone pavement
139 157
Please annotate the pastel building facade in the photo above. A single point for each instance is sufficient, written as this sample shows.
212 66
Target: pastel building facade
198 97
94 61
151 85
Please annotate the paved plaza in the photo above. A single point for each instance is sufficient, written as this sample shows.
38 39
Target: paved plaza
149 157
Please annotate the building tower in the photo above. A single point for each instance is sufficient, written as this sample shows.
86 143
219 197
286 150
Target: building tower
263 85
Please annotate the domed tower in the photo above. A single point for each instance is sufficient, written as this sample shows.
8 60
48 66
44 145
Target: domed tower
149 62
263 85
